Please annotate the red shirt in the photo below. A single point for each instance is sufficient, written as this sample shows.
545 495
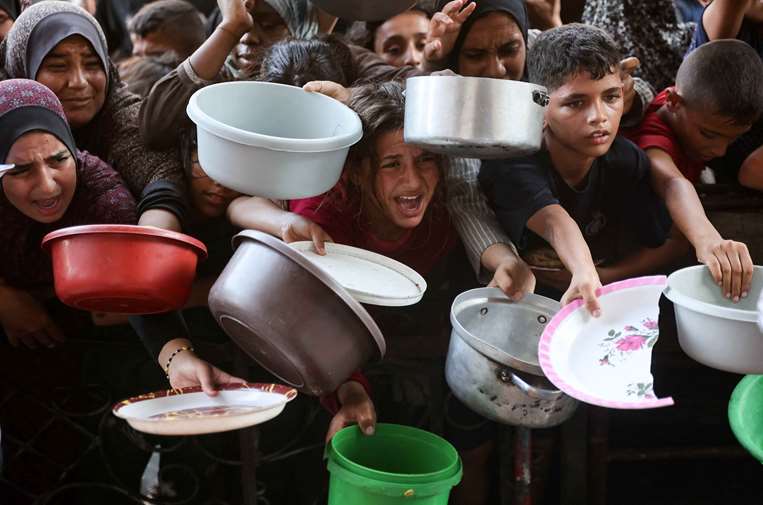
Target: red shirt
654 132
420 248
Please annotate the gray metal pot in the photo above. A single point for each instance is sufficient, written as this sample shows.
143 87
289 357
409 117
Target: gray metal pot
291 317
492 364
474 117
364 10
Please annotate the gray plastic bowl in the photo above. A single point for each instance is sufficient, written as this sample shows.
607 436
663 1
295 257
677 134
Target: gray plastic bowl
272 140
712 329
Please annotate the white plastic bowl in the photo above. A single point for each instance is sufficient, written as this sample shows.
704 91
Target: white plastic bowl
272 140
712 329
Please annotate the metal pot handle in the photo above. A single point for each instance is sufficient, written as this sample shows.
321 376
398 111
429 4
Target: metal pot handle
541 97
507 375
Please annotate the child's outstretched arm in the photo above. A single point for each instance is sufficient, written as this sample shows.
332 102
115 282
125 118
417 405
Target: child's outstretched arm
560 230
723 18
257 213
729 262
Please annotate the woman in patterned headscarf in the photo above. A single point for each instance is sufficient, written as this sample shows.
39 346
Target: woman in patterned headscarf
8 12
648 30
49 184
62 46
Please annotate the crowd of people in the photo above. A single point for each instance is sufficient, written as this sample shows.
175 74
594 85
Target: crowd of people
646 98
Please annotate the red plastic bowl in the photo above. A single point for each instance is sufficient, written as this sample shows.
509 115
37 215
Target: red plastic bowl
123 269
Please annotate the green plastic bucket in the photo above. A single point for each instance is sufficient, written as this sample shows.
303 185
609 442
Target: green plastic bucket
395 465
746 414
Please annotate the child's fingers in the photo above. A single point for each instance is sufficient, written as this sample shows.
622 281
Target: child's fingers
725 266
452 7
206 379
715 269
736 275
591 301
367 422
747 271
337 423
465 13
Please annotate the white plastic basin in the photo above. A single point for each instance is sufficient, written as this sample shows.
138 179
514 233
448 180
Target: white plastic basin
272 140
712 329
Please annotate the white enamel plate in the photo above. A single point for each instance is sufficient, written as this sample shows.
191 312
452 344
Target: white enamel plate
189 411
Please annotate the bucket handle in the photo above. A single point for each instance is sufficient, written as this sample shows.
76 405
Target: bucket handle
506 375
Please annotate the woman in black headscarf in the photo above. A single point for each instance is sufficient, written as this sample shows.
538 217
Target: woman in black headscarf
486 38
9 9
61 46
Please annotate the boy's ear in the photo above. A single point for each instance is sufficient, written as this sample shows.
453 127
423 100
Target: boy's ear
674 101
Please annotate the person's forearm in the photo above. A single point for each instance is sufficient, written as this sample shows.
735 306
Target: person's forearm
723 18
562 232
257 213
170 347
160 218
687 212
210 57
498 254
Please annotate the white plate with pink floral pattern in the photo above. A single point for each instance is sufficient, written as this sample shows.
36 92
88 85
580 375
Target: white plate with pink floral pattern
606 361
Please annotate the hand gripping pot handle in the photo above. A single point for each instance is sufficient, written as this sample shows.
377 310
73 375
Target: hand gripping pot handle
506 375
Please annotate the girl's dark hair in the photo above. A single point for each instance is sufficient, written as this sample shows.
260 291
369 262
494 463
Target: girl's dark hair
298 61
564 52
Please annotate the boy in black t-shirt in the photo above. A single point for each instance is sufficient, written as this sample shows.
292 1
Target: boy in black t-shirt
587 193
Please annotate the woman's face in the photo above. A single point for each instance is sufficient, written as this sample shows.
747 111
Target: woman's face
208 197
405 180
42 184
269 28
6 23
75 73
400 40
494 47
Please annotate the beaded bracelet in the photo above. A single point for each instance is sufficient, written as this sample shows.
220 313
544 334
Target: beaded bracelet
174 353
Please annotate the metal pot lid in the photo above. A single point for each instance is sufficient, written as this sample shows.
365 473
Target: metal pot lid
308 265
505 331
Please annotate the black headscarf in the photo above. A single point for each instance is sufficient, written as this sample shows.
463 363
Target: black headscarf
10 7
27 106
515 8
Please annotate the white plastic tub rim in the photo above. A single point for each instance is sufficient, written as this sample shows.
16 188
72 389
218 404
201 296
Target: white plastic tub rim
307 145
678 291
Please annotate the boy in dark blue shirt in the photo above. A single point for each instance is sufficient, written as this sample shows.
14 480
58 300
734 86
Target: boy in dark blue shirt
587 193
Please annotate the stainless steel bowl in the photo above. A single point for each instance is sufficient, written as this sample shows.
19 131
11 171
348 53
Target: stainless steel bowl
474 117
492 364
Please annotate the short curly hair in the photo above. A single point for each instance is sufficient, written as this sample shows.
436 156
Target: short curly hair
564 52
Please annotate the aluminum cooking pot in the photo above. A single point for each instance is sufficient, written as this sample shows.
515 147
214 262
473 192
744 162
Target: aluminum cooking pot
474 117
492 364
364 10
291 317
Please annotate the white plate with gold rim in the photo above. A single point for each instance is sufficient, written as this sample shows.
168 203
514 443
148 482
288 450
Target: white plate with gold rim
190 411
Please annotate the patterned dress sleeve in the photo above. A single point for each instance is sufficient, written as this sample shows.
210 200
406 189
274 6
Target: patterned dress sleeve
109 200
473 218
